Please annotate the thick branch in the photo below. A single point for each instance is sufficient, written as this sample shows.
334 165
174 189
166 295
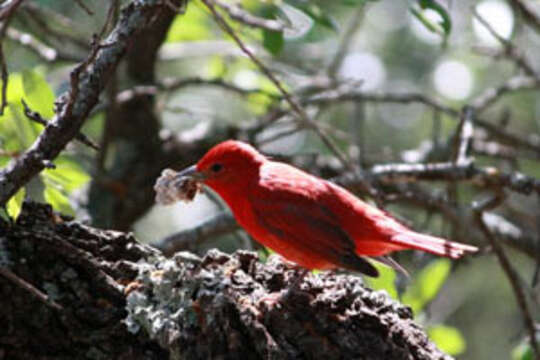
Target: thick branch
74 106
221 306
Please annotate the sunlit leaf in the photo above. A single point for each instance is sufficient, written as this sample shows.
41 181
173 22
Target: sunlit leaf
57 199
522 352
37 93
191 26
385 281
316 13
426 284
448 339
68 174
299 22
442 27
14 205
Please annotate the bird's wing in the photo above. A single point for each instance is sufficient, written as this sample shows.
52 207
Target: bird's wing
286 205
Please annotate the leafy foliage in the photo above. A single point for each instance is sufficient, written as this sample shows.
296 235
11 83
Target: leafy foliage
18 133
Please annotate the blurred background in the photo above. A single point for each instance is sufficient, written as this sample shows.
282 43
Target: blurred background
385 80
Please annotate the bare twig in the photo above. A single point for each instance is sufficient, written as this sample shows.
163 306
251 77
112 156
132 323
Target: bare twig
84 7
6 13
246 18
448 171
463 136
510 50
295 106
74 106
44 298
491 95
8 9
4 76
528 14
509 270
44 51
355 22
35 116
222 223
345 93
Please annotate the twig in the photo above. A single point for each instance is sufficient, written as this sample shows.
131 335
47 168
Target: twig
355 22
44 298
447 171
84 7
44 51
508 270
38 15
491 95
74 106
287 96
6 13
463 136
8 9
510 50
35 116
290 100
530 16
488 97
220 224
345 93
240 15
4 76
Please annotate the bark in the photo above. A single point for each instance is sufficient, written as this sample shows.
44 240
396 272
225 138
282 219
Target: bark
123 300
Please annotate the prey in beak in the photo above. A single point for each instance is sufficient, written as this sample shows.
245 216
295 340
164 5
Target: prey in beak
174 186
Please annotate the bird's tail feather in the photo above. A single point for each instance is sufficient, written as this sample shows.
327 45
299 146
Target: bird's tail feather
432 244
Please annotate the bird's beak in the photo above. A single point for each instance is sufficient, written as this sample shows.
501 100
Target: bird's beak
192 173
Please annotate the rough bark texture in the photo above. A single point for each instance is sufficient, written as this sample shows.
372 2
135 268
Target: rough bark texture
123 300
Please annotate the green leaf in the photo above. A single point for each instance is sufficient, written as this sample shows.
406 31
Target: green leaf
57 199
522 352
448 339
442 27
68 175
37 93
273 41
14 205
191 26
319 16
385 281
427 284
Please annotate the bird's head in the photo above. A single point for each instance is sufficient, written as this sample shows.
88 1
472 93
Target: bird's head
229 164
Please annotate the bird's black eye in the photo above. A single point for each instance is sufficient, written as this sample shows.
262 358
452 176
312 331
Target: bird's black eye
216 168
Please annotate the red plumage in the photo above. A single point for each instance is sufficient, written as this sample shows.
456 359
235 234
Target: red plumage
308 220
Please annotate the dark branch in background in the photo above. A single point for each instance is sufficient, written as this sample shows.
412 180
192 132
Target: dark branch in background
7 10
74 106
529 15
508 269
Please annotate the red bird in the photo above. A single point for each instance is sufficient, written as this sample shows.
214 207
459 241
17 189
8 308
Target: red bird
308 220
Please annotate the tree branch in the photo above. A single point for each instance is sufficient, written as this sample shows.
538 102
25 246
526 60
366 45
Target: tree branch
73 107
